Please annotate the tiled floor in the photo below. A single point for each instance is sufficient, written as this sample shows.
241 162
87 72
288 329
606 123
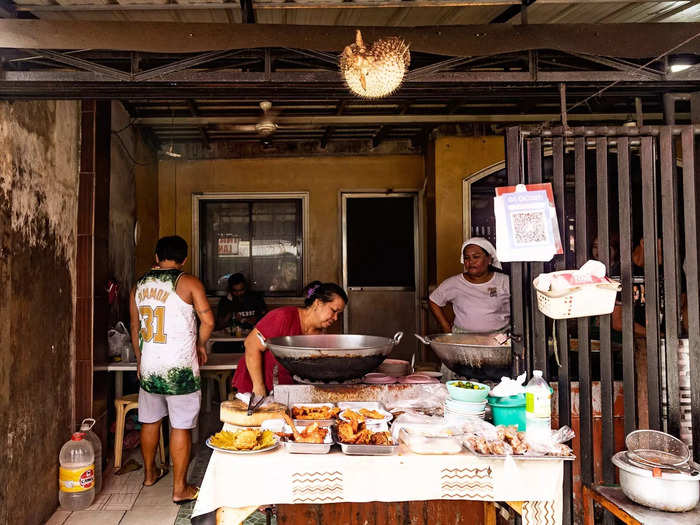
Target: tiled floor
125 501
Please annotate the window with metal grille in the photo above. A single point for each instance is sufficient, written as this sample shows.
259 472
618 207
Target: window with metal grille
260 238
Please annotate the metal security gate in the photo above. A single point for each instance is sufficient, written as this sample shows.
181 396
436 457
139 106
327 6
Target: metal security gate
610 182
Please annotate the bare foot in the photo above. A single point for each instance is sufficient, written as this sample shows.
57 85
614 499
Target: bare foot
188 494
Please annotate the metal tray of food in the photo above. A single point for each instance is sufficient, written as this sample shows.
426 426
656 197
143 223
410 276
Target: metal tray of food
368 450
521 456
294 447
387 416
322 422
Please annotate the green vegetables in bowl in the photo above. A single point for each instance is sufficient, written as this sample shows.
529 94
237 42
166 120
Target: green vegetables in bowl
469 391
469 385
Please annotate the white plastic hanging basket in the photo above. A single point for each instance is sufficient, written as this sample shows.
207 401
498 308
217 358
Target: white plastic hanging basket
582 301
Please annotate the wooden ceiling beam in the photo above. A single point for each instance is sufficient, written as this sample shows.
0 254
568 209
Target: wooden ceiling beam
392 119
356 4
247 12
8 9
619 40
301 80
512 12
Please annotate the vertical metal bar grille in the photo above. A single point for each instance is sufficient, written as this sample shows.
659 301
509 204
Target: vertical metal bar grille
625 209
539 347
691 187
606 364
514 169
669 226
584 356
651 280
562 333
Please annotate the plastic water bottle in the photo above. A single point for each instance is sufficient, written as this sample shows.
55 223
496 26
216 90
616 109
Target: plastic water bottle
86 428
538 408
76 478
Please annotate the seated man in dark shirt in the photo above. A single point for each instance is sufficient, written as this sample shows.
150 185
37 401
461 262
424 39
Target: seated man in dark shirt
239 310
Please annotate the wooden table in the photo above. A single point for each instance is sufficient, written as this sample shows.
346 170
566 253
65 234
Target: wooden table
614 500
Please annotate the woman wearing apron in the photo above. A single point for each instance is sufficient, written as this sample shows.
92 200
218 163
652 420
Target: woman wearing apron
480 296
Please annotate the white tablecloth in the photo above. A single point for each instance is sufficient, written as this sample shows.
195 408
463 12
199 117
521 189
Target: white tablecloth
277 477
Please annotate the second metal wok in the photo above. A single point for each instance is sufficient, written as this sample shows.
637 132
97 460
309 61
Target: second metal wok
471 355
331 357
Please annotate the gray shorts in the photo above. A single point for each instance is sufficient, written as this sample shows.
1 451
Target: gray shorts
183 410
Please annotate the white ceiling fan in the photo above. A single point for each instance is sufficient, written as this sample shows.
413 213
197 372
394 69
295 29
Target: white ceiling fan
265 125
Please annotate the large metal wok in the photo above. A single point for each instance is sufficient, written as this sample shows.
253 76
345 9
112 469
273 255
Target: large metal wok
472 355
331 357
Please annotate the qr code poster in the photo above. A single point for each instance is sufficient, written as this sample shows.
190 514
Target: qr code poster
526 223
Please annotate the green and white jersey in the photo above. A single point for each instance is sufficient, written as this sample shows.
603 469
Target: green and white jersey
168 335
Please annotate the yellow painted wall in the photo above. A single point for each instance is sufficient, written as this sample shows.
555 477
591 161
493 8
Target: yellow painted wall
322 177
456 158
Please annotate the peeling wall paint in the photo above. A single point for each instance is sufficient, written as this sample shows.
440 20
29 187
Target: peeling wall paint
122 207
38 212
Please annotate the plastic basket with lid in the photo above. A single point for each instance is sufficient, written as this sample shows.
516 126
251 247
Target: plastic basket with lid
581 301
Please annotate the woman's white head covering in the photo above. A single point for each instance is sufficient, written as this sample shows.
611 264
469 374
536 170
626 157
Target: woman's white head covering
486 246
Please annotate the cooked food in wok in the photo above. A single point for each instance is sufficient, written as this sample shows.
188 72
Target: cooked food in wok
315 412
310 434
243 439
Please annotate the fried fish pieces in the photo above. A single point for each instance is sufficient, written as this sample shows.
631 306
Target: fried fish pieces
381 438
371 414
315 412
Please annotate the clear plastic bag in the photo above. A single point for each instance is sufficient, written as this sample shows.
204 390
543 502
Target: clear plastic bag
119 342
554 445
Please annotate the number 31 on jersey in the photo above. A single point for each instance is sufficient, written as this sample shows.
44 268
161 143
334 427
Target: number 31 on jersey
147 315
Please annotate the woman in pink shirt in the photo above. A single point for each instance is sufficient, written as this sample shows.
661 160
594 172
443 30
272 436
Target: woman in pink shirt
322 304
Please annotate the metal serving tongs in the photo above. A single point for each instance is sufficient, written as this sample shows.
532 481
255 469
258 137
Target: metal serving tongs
253 404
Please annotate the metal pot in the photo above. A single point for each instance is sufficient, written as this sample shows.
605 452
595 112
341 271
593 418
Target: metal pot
671 492
331 357
471 355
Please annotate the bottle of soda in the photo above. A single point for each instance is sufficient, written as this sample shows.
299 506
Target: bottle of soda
76 478
86 428
538 408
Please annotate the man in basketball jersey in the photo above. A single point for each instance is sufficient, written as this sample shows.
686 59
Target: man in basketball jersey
169 353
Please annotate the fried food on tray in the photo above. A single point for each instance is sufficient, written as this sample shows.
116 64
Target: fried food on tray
243 439
478 444
361 435
381 438
310 434
355 418
315 412
371 414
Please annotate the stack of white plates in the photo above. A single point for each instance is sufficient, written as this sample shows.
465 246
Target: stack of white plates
456 411
394 367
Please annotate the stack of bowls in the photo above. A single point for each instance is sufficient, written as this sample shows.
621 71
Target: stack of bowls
465 402
394 367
